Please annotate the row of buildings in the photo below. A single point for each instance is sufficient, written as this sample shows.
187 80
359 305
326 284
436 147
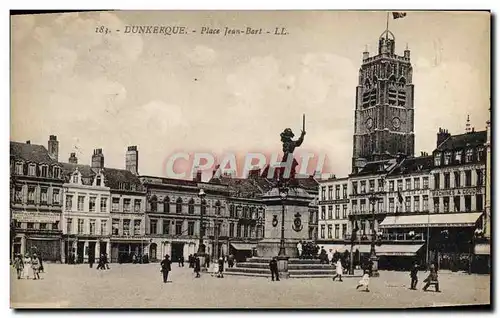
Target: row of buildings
69 209
433 207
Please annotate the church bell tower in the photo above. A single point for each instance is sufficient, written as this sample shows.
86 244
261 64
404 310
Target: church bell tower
384 116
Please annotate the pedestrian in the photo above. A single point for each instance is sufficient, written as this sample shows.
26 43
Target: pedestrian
106 260
207 261
230 261
165 267
197 265
432 279
41 270
182 260
35 265
413 275
365 280
273 266
18 265
91 261
299 248
338 270
221 268
100 262
27 266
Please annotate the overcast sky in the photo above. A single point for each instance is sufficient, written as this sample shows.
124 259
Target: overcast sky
232 94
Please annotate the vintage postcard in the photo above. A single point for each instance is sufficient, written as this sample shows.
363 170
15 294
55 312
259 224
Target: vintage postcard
250 159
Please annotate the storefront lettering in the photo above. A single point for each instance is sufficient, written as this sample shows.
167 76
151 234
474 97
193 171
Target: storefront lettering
36 217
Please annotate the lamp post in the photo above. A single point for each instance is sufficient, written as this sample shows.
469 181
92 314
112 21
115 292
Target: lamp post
373 255
283 194
201 246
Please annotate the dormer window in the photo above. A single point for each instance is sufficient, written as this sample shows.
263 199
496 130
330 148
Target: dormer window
98 181
44 171
32 169
57 172
458 156
74 178
19 168
469 155
437 159
447 157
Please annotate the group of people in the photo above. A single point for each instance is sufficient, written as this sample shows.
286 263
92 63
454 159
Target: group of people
432 278
194 262
29 266
103 263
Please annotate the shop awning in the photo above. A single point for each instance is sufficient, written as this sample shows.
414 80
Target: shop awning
398 250
244 246
482 249
432 220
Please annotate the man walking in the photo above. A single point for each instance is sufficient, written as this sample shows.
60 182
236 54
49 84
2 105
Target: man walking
413 275
165 267
197 265
338 270
18 265
221 267
273 266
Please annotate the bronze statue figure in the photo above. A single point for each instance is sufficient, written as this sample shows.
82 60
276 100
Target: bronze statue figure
289 145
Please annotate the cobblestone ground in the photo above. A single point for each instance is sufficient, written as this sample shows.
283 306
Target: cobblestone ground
141 286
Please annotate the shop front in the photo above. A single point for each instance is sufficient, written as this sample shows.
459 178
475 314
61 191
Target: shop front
131 250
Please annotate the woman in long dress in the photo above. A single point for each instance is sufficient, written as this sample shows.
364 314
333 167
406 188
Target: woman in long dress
35 265
27 266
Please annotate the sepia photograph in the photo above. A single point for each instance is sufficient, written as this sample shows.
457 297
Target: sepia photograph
293 159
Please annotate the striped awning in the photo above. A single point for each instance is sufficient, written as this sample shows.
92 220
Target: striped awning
431 220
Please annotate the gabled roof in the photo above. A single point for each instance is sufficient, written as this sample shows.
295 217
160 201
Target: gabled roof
377 167
239 187
415 164
470 139
30 152
85 170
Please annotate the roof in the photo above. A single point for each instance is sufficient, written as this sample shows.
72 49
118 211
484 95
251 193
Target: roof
30 152
415 164
85 170
115 177
239 187
377 167
470 139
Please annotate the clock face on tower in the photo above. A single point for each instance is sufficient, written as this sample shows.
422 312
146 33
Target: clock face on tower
396 123
369 123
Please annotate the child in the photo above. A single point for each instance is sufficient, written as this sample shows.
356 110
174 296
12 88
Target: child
413 275
365 281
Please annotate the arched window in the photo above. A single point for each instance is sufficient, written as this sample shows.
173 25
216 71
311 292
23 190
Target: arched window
154 203
166 205
402 80
231 211
178 206
217 207
203 207
191 206
392 78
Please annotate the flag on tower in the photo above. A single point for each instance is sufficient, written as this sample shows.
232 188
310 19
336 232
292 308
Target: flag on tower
398 15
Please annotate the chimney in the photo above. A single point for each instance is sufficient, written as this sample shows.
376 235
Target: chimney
366 54
132 160
53 147
442 135
28 142
72 158
98 159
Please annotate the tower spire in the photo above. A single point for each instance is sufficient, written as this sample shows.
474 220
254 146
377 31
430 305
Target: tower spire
387 26
467 125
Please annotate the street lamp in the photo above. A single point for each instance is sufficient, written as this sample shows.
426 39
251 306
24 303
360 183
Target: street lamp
201 246
283 194
373 255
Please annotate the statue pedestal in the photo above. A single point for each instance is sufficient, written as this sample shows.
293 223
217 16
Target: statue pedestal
283 267
296 217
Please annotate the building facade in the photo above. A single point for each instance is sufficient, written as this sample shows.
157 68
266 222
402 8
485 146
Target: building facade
333 222
86 219
36 181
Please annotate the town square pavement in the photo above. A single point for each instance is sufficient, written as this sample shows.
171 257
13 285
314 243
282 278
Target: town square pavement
141 286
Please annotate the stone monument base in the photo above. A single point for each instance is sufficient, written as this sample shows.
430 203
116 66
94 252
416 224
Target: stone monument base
271 247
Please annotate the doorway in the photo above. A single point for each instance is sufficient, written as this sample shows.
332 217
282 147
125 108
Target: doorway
152 252
92 252
79 252
102 248
177 251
